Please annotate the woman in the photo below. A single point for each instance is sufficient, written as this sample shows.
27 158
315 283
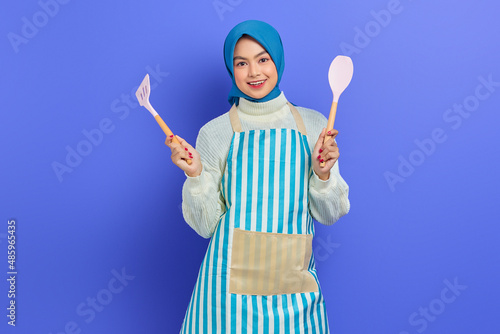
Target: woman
254 187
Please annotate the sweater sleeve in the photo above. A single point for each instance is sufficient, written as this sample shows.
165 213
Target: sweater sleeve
202 201
329 199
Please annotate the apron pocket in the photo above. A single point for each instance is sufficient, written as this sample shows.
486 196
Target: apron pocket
270 263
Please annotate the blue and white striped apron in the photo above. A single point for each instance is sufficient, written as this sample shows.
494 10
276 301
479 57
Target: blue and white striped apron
265 187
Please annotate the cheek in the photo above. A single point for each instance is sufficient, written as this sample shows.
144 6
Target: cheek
272 72
239 78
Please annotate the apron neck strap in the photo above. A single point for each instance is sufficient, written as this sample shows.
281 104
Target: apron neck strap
236 124
235 120
298 119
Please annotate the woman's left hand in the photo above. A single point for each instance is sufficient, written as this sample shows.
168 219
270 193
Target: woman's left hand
325 152
181 153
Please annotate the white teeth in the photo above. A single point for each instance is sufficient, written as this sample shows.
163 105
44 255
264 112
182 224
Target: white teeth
256 83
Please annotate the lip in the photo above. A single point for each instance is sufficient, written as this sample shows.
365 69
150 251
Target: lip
257 86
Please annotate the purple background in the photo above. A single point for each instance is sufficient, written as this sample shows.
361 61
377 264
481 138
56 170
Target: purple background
423 176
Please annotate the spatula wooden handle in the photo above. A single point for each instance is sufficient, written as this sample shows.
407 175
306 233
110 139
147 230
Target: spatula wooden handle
168 132
329 125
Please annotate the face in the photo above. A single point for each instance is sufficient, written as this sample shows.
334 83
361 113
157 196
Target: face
254 71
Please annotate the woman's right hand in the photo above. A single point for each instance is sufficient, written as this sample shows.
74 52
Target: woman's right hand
182 152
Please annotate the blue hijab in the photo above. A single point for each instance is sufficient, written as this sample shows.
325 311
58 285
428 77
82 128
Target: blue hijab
270 40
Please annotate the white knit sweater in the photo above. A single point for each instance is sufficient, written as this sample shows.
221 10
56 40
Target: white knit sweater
202 202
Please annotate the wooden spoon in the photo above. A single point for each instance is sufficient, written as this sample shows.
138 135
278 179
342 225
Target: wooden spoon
339 75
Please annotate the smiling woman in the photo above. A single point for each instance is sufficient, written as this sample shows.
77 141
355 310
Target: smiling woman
254 71
254 186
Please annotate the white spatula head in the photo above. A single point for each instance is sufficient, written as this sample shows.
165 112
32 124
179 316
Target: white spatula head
142 95
340 75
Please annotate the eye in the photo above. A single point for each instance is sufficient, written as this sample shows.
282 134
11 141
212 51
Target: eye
263 60
241 63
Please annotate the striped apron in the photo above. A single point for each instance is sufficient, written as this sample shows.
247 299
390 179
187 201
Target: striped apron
258 275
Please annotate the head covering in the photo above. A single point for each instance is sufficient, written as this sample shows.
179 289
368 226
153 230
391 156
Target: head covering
270 40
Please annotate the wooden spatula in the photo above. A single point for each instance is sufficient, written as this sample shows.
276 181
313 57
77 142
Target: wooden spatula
142 95
339 75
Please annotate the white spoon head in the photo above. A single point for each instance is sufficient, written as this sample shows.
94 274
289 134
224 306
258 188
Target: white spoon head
340 75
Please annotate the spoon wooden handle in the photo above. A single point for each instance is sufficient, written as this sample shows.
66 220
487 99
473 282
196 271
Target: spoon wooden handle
329 125
168 132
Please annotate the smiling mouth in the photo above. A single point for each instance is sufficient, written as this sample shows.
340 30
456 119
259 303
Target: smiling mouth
257 84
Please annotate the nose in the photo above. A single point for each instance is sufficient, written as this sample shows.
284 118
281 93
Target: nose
253 70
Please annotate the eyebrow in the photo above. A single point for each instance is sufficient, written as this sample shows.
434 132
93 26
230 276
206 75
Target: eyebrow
256 56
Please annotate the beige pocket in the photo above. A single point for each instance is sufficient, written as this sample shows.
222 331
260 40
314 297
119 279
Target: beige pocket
270 263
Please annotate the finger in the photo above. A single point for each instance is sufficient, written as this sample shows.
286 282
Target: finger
330 153
184 143
169 141
332 157
329 135
188 149
178 152
332 133
320 141
182 153
318 148
327 149
179 158
330 145
178 142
